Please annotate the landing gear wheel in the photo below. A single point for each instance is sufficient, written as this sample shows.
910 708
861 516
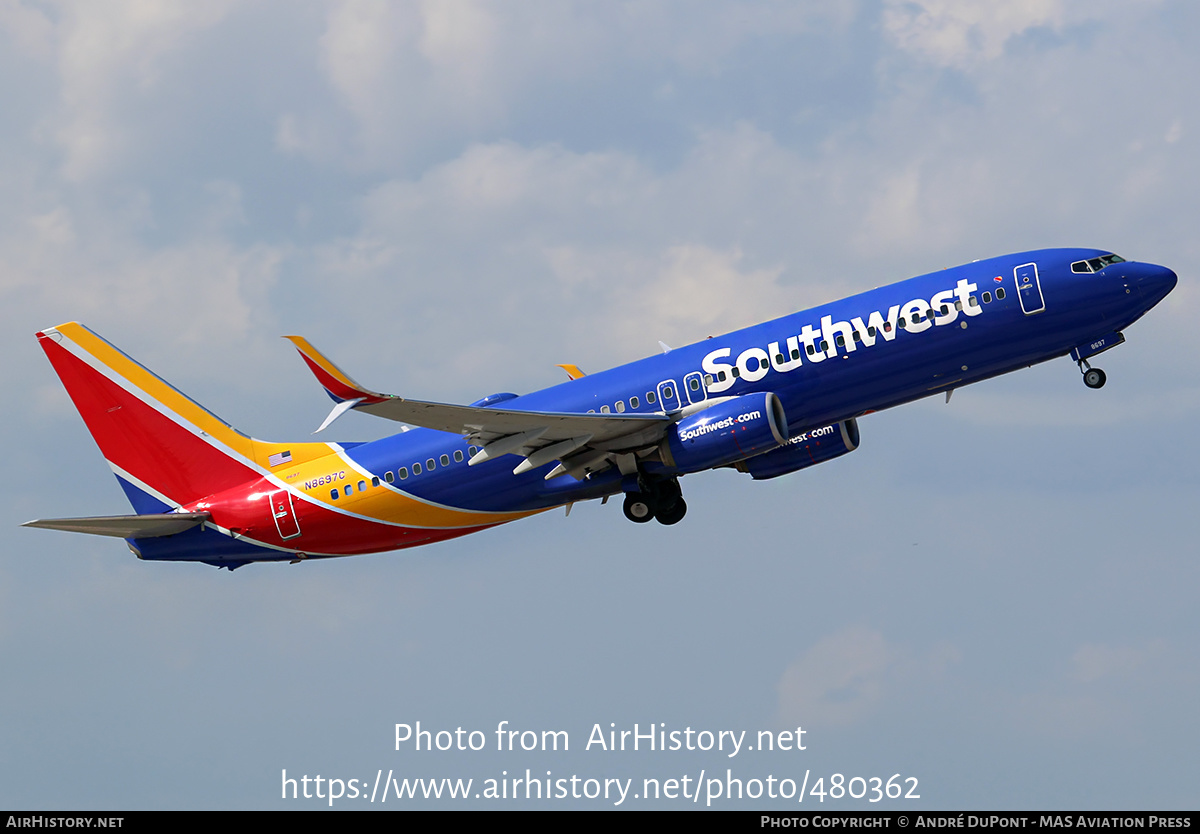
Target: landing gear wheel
639 507
1094 378
672 514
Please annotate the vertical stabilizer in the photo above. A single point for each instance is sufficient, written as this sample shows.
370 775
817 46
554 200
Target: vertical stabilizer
166 449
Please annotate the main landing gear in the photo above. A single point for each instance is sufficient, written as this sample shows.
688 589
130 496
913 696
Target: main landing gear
1092 377
662 500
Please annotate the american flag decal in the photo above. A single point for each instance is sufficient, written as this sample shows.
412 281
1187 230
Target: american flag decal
279 457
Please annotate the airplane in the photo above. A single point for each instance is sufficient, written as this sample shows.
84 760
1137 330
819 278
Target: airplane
767 400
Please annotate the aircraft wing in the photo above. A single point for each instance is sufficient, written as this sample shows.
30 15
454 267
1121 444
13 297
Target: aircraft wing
148 526
582 443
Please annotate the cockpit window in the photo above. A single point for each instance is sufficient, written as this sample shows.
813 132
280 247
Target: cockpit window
1096 264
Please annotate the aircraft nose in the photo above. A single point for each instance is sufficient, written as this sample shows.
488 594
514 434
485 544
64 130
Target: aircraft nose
1155 282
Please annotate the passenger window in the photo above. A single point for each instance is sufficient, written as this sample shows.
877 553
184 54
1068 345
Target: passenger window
445 459
840 340
375 482
779 359
389 477
650 397
810 350
416 469
901 323
796 353
349 489
603 409
987 298
857 336
825 344
620 406
668 392
362 486
403 473
887 327
871 331
634 402
737 372
430 465
694 384
958 305
333 493
458 455
1000 293
972 300
472 450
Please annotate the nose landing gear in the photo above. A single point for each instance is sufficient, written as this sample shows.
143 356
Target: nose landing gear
1092 377
661 500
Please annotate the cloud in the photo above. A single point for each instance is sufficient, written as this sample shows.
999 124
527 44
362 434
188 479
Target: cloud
28 28
413 74
529 247
109 53
202 293
1096 661
682 293
845 678
960 34
838 681
1102 688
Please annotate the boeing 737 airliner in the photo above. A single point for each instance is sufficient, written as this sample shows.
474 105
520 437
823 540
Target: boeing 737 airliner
768 400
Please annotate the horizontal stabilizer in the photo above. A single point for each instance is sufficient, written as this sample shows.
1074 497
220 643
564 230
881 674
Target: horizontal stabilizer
147 526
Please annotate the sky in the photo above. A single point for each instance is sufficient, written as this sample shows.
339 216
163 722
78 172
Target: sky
992 599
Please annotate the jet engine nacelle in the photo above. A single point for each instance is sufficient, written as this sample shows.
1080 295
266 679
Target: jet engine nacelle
804 450
725 432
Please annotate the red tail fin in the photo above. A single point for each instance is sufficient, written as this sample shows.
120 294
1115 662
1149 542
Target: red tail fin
154 437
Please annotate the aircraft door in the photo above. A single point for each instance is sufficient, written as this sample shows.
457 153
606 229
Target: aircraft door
668 395
1029 289
693 384
284 514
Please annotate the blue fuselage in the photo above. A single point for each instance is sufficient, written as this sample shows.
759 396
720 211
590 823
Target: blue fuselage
872 351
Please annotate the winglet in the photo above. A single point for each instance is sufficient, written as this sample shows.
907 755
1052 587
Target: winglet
572 371
343 390
333 379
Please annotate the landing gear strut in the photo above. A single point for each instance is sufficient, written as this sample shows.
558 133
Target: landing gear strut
1092 377
661 500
